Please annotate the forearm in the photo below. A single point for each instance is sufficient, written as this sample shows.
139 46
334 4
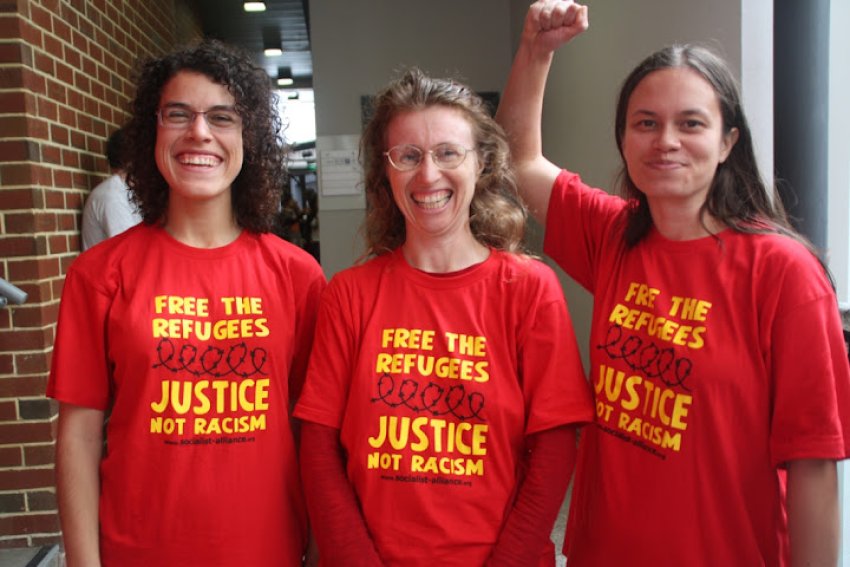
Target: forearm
521 106
336 521
78 453
813 514
551 459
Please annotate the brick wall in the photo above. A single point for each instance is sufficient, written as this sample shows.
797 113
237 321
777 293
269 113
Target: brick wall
65 68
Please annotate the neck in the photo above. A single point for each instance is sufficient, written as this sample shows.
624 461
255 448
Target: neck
678 223
444 256
201 227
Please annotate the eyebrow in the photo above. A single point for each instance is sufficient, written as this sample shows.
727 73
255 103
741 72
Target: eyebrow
184 105
688 112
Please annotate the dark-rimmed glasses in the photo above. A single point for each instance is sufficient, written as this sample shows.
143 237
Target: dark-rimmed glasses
179 117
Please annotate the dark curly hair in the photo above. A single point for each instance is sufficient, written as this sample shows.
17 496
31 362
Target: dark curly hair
497 216
256 191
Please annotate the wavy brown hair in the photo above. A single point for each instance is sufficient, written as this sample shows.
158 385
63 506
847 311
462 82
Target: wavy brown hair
256 191
497 216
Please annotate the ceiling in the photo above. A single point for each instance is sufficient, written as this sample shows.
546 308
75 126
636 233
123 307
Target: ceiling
288 19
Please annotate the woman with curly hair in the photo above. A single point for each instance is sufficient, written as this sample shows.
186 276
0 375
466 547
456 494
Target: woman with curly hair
191 331
440 413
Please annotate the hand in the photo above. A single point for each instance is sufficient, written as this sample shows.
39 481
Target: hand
552 23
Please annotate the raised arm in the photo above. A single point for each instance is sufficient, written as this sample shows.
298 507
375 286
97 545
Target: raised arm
548 25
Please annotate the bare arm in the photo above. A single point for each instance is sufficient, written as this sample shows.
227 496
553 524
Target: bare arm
78 453
548 25
813 518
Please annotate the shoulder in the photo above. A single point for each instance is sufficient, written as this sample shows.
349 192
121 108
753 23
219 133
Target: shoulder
283 252
101 262
528 273
781 267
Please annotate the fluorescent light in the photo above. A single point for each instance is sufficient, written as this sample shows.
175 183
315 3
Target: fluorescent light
254 6
284 76
272 52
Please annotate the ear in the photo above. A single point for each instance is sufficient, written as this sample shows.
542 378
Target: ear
728 142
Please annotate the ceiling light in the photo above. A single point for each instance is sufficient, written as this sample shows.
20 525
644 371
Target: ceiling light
284 76
272 42
254 6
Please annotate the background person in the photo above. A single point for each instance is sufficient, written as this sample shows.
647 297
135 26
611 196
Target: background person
109 209
717 358
439 414
192 331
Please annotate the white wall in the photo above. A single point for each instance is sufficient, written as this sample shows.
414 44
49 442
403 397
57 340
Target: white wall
359 45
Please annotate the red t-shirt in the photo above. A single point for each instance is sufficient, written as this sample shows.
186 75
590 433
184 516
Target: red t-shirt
713 362
434 382
198 353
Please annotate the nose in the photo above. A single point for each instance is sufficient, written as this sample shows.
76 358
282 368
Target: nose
198 127
427 170
668 138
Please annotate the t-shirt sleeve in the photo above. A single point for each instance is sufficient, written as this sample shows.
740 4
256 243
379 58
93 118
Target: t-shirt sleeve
581 223
325 391
80 371
555 389
811 375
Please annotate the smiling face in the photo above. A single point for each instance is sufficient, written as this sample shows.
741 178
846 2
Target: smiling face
198 163
673 140
435 202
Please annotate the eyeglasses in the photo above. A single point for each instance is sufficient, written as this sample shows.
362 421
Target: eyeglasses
407 157
181 117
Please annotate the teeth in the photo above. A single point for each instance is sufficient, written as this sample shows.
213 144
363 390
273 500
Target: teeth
433 200
208 161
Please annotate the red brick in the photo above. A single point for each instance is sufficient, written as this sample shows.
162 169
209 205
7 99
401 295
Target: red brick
40 17
26 315
52 154
8 410
27 339
64 73
15 101
19 150
22 199
39 455
10 53
24 386
62 30
48 109
56 244
45 63
11 77
26 270
11 457
29 524
7 361
17 246
14 126
26 432
59 134
27 223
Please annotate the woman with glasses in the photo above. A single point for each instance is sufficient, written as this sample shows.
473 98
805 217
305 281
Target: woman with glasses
717 358
191 332
439 413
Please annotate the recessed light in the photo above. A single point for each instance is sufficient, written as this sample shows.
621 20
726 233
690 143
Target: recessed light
254 6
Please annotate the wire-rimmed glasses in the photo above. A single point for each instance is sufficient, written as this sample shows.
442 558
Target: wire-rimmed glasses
407 157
